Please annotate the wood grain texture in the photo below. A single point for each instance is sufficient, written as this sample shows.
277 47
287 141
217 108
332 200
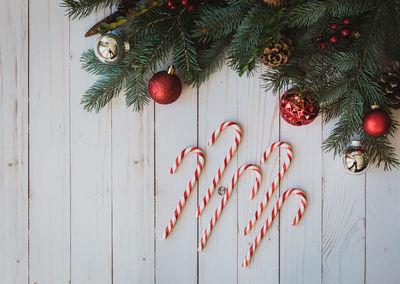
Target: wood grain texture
91 182
49 144
14 142
133 194
175 129
382 225
259 117
218 103
343 222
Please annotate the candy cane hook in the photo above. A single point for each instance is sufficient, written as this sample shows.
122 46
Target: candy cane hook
264 229
189 187
227 194
281 173
227 159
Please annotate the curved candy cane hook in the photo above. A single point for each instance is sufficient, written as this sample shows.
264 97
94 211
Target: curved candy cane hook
190 186
281 173
227 194
264 229
227 159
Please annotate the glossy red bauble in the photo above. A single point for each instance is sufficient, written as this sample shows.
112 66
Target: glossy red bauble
170 3
297 110
322 45
165 87
334 26
346 21
191 8
184 2
376 122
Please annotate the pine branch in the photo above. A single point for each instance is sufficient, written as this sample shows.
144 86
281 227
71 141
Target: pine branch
83 8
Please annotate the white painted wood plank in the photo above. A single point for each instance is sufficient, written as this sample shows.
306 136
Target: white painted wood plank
133 193
259 117
49 144
175 129
218 103
91 187
14 142
300 246
343 230
382 224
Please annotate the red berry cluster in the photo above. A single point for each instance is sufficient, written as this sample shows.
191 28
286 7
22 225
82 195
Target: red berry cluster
172 4
343 31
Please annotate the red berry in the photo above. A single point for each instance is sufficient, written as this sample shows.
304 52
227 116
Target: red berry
322 45
184 2
191 8
318 39
346 21
170 3
334 39
334 26
172 7
345 32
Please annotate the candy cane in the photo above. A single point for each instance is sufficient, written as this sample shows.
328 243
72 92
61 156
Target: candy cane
227 159
264 229
188 189
224 200
281 173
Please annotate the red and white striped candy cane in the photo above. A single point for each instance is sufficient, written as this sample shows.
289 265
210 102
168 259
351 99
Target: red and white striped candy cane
227 159
264 229
227 194
190 186
281 173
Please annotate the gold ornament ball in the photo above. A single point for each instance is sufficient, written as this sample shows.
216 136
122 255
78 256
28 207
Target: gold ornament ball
355 159
109 48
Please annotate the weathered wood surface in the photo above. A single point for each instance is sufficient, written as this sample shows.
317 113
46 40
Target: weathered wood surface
85 198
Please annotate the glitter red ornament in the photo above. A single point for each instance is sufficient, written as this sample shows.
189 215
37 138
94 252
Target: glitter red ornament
376 122
165 87
297 110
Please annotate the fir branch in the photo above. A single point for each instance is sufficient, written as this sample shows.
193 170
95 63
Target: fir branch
83 8
184 47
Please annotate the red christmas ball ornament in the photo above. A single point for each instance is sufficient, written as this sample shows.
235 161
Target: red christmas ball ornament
334 39
346 21
165 87
322 45
345 32
297 110
170 3
334 26
376 122
184 2
191 8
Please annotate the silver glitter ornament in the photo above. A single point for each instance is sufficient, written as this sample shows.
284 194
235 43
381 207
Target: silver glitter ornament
355 159
109 48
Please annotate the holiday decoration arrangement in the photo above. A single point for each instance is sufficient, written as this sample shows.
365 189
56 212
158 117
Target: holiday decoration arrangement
229 189
336 58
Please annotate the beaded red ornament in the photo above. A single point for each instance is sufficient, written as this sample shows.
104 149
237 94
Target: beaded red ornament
297 110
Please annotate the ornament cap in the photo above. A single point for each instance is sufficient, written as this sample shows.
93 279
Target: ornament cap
356 143
375 106
171 70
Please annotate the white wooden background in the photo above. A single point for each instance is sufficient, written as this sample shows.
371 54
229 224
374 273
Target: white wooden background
84 197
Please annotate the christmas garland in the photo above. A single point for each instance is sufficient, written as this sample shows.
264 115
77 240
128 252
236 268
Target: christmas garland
339 58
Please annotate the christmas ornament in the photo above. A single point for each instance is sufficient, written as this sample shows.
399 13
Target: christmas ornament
165 87
302 206
109 48
334 26
334 39
224 200
355 159
278 54
376 122
322 45
227 159
189 187
274 184
346 21
276 3
355 34
390 81
296 110
345 32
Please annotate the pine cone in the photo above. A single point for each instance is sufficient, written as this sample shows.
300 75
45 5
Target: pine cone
390 80
278 54
276 3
